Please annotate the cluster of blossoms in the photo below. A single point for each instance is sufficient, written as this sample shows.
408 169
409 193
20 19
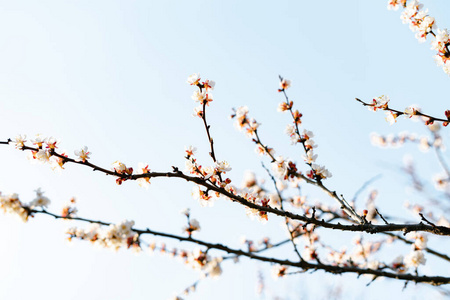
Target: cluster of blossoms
12 205
381 103
422 24
114 236
44 151
121 169
46 147
254 198
317 172
211 173
360 257
244 122
203 94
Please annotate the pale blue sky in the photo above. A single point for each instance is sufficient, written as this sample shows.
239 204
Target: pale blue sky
112 75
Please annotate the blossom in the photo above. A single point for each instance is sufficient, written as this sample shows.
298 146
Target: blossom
143 181
52 142
321 171
410 111
38 140
193 225
190 150
280 167
285 84
279 271
394 4
249 179
42 155
83 154
209 84
213 268
194 79
203 197
310 157
20 140
398 264
12 205
119 167
199 96
414 259
379 103
57 163
391 117
223 167
284 106
40 200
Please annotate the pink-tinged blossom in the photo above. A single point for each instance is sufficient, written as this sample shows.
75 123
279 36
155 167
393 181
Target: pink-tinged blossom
143 181
42 156
19 141
12 205
310 144
199 96
284 106
398 264
391 117
198 111
249 179
442 38
209 85
40 200
194 79
310 157
190 150
223 166
52 143
307 134
321 171
119 167
279 271
420 240
83 154
203 198
39 140
193 226
394 4
280 167
285 84
414 259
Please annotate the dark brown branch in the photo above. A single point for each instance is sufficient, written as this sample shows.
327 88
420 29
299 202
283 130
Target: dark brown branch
367 227
434 280
399 113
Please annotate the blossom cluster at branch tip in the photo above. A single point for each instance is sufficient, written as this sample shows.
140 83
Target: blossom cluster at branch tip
422 24
203 94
